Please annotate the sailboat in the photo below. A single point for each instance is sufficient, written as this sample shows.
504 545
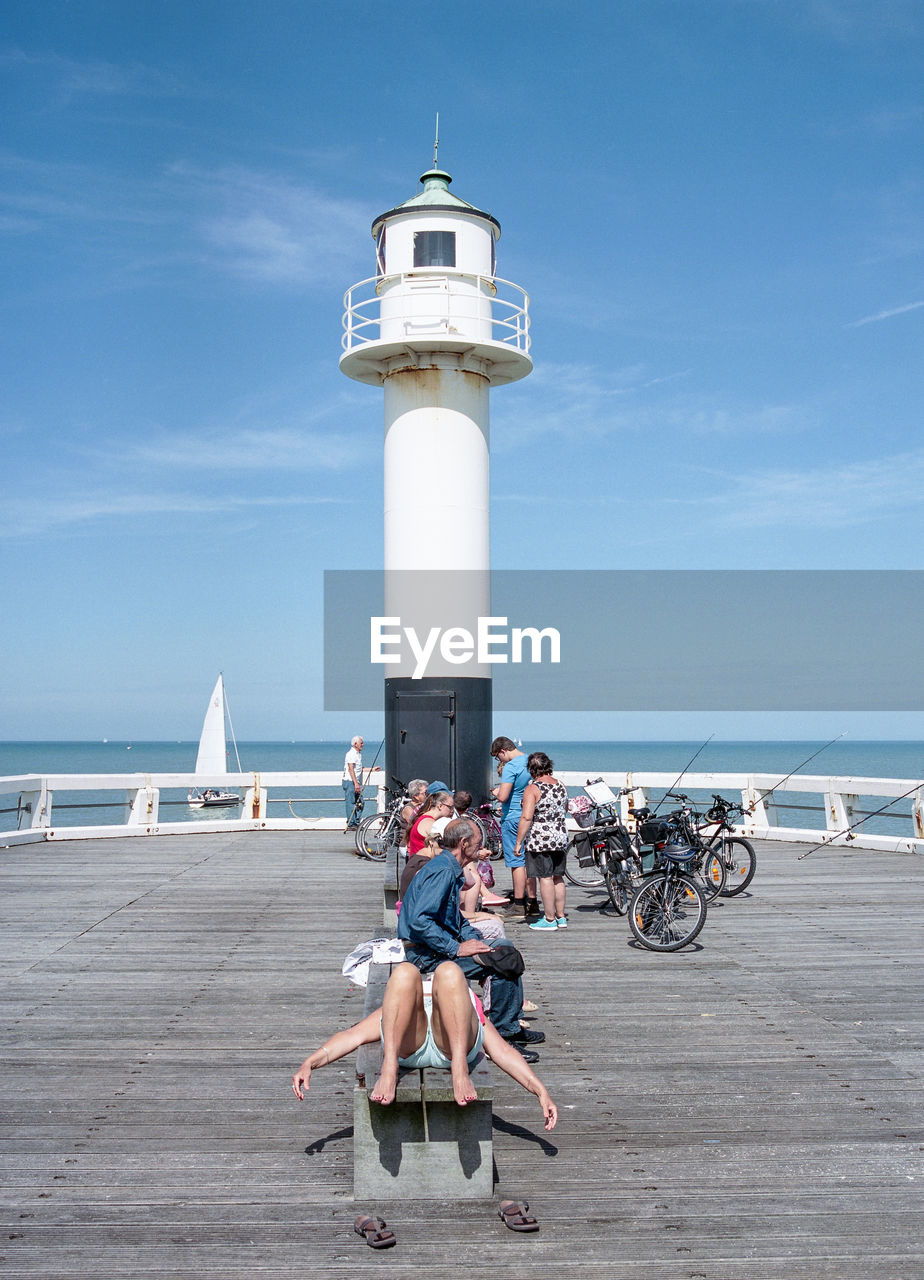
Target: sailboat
213 749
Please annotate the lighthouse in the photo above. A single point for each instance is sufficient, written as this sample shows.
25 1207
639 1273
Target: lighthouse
436 328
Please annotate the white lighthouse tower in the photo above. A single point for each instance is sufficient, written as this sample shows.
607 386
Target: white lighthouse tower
437 328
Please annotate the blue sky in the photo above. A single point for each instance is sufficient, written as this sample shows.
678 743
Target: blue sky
715 206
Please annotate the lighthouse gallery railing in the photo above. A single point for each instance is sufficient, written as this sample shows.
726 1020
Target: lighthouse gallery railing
505 307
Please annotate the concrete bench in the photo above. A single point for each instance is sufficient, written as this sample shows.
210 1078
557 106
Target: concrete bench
391 878
424 1144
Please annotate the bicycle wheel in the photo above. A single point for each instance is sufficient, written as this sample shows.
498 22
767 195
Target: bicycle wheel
495 840
619 887
589 877
710 875
667 912
490 834
372 836
740 864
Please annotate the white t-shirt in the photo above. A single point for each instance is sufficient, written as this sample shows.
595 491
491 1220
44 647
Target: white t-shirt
440 824
354 758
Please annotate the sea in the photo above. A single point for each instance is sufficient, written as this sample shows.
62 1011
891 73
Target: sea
881 759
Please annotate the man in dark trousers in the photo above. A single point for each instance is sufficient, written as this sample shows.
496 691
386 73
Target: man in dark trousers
431 926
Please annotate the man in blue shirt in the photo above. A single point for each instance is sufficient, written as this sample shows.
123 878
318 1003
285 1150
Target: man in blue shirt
514 779
432 928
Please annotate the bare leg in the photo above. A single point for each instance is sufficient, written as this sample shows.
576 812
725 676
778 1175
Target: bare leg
519 882
559 885
468 898
404 1028
547 893
455 1026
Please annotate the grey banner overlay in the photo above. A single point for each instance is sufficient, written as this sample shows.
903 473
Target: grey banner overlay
659 640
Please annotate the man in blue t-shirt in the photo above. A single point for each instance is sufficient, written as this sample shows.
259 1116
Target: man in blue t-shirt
514 780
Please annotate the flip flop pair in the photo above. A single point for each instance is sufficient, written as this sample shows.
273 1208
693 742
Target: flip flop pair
515 1214
375 1231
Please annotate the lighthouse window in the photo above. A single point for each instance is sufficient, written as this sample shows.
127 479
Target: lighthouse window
434 248
380 252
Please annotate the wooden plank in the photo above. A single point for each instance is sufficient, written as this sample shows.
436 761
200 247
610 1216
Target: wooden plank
748 1108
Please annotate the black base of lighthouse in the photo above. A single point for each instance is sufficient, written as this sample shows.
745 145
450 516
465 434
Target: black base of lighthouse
440 730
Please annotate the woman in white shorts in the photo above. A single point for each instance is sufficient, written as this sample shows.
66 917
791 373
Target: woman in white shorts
449 1031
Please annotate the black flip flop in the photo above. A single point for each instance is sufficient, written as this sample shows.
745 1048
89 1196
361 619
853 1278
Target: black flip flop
377 1237
515 1215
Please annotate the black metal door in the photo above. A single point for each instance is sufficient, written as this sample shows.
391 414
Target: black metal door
423 737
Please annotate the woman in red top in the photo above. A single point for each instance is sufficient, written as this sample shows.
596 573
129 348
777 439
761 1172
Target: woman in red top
437 806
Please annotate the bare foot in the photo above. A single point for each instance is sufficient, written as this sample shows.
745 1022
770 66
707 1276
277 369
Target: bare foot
383 1091
463 1089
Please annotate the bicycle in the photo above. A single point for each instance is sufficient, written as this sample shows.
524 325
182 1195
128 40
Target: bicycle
665 903
737 854
485 819
590 848
668 909
706 865
379 831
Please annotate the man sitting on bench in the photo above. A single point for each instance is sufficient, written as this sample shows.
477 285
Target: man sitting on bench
445 1029
433 930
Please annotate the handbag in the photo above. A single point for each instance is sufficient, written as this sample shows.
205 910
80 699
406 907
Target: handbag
505 961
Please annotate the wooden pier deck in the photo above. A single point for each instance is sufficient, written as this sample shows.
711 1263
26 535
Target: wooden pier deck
748 1109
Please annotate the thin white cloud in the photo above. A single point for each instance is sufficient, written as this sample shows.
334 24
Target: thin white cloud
249 449
560 399
263 227
885 315
824 497
254 225
30 516
95 77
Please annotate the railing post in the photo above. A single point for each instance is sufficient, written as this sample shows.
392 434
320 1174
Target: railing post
917 813
755 800
634 800
35 806
144 805
254 805
838 808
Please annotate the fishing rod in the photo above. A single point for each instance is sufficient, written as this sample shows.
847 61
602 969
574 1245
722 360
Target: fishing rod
777 786
359 803
848 830
682 772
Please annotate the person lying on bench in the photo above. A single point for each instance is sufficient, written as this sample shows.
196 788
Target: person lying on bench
444 1029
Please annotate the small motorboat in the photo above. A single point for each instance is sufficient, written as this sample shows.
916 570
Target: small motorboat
209 798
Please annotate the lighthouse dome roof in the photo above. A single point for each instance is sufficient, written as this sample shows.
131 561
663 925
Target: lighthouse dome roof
436 197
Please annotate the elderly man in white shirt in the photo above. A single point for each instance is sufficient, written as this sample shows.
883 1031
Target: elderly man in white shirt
353 780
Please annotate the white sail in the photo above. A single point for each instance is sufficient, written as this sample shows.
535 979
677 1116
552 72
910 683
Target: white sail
212 748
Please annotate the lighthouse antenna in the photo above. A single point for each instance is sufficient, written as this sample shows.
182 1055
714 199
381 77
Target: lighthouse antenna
436 140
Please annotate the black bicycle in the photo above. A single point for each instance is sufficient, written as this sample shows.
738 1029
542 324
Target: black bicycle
668 909
706 864
653 875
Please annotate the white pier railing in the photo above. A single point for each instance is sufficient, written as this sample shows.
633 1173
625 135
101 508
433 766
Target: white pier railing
842 801
146 803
